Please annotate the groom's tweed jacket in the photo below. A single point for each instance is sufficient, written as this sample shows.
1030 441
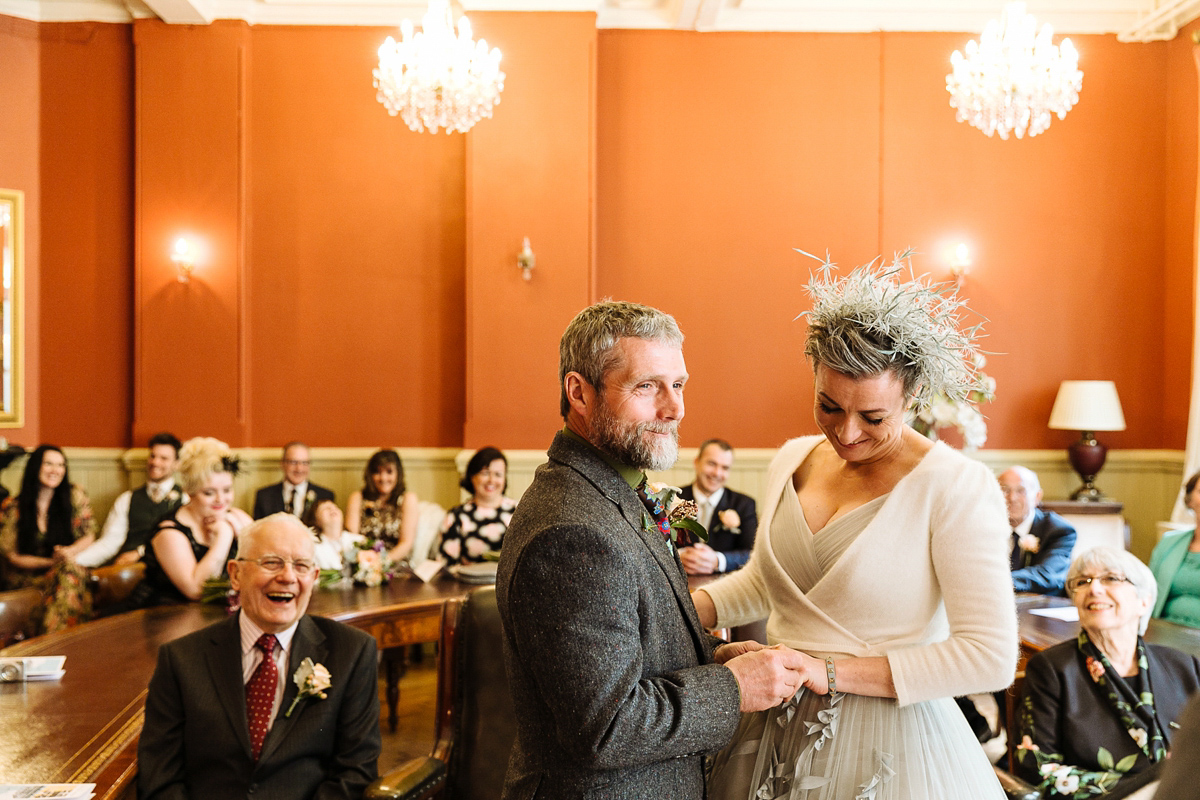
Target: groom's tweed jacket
610 668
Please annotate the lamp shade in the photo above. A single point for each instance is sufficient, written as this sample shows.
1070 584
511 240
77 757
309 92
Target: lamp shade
1087 406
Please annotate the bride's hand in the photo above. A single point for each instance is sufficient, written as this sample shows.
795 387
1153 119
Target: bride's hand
734 649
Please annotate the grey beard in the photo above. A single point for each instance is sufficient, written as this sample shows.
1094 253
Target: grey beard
625 443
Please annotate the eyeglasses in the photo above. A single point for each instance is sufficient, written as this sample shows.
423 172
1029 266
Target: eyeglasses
274 564
1107 581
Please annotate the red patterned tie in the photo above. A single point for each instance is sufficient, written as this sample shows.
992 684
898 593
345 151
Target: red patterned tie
260 694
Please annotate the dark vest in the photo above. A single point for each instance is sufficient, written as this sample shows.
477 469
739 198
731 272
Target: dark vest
144 512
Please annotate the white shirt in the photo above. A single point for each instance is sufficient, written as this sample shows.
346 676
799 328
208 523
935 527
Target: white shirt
1026 524
707 504
297 490
253 656
116 526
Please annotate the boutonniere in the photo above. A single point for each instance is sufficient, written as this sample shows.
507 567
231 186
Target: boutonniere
1029 543
312 680
675 518
309 496
173 495
730 519
1095 669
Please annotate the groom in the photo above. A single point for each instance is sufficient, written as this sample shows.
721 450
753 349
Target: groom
619 691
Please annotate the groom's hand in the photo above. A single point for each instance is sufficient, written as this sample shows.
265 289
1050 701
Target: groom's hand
767 677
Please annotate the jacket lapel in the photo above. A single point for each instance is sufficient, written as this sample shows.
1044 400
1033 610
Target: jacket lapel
225 666
613 487
308 642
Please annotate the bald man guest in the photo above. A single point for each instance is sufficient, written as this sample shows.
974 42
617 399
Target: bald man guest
225 716
1042 540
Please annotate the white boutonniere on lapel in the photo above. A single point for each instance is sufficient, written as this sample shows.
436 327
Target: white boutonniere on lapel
173 495
1029 545
309 497
730 519
312 680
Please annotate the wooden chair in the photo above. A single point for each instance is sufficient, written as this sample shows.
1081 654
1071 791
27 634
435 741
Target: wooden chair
476 723
19 612
111 585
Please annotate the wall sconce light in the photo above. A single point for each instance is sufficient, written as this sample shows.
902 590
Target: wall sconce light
183 254
960 263
526 260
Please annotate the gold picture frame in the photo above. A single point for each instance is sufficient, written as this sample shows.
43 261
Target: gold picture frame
12 276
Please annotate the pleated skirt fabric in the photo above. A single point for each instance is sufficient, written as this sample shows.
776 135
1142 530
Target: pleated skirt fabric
854 748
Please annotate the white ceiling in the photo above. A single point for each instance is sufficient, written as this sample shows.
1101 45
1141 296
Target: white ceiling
1135 20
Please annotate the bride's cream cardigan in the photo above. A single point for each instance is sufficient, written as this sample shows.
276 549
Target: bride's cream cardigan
926 583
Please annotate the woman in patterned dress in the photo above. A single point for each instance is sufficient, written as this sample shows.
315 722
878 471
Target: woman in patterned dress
43 529
384 510
478 526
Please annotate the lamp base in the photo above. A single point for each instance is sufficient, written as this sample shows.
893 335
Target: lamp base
1087 458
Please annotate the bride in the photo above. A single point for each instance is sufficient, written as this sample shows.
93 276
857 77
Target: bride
884 559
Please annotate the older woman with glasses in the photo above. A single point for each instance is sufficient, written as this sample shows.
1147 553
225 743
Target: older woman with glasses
1100 708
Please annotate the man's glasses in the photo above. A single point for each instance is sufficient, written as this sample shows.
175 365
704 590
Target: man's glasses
274 564
1107 581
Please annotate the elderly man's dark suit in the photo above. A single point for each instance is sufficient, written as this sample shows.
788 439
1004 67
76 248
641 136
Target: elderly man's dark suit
269 499
196 740
609 666
1044 572
735 546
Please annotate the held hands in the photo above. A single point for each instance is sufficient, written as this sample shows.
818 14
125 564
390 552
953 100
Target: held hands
770 675
699 559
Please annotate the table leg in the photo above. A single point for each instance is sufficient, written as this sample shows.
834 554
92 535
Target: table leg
394 659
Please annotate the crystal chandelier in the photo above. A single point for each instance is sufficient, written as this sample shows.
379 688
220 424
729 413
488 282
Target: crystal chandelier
435 79
1014 78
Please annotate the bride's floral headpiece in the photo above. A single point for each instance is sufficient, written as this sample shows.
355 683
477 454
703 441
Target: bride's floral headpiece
874 319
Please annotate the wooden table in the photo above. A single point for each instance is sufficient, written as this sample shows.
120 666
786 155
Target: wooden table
1037 633
84 726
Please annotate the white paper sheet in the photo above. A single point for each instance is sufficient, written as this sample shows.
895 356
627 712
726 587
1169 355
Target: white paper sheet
1065 613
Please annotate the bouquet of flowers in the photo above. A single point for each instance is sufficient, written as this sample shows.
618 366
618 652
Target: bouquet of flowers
961 414
372 567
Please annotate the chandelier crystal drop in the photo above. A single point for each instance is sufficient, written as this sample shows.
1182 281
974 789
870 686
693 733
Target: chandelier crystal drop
1015 77
434 78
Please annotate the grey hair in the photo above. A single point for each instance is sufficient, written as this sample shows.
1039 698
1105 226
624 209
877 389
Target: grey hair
199 459
871 321
248 536
1111 559
588 345
1029 478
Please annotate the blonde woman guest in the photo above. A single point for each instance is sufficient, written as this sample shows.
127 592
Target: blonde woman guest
882 557
192 544
333 545
44 528
384 510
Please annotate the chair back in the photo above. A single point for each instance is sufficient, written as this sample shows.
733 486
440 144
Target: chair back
20 610
111 585
482 718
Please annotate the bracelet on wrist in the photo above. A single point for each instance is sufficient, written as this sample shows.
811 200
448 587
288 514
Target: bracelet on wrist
831 675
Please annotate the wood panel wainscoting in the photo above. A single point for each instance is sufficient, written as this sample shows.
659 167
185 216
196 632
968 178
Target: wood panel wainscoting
1145 481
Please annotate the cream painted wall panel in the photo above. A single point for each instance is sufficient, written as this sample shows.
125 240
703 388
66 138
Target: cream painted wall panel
1146 481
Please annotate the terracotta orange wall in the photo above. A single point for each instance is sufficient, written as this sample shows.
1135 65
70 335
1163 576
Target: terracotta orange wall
20 146
530 172
355 258
719 153
86 331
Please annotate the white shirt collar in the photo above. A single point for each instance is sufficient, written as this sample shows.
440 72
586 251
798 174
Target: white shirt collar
251 634
701 497
1026 524
162 487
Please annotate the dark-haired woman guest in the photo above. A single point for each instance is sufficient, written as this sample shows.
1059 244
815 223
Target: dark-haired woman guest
1175 563
477 526
43 529
384 510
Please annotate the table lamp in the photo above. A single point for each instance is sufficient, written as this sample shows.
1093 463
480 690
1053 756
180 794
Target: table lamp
1087 406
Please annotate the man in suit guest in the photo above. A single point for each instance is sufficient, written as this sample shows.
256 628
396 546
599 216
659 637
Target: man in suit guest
731 518
135 511
225 716
294 494
1042 540
619 692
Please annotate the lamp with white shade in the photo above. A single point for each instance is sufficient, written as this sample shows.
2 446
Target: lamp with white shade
1087 406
